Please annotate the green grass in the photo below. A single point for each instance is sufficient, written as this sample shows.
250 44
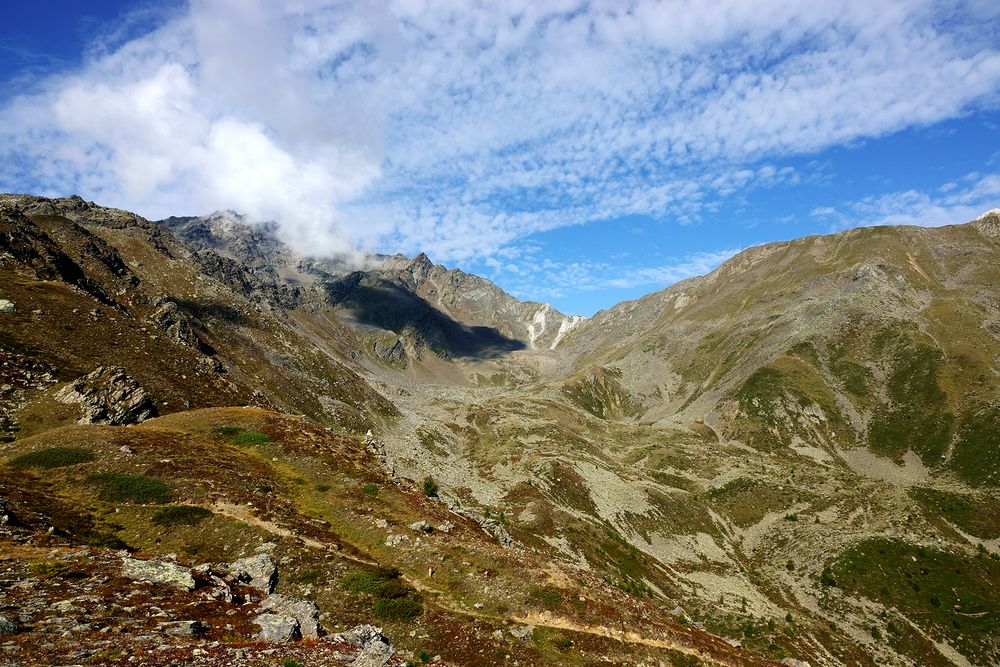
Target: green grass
917 415
251 438
397 609
118 487
549 597
53 457
393 599
977 450
952 594
240 436
180 515
381 583
976 514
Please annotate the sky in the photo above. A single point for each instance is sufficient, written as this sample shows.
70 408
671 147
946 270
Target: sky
576 153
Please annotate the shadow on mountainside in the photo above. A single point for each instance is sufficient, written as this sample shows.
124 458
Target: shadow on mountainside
387 305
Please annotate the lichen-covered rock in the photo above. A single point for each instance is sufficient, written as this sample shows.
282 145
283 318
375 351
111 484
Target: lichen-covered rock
304 611
7 626
159 572
259 571
277 628
376 650
108 396
7 306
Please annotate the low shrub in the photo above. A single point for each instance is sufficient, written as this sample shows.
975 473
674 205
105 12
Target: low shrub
180 515
121 488
397 609
53 457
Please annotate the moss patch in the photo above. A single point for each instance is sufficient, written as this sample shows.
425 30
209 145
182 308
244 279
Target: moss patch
53 457
117 487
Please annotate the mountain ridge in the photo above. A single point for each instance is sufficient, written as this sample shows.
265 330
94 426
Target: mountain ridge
767 456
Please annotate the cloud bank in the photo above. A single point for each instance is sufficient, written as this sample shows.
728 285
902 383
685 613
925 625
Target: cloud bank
461 128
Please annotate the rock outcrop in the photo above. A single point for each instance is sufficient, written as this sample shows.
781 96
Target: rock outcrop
306 613
277 628
108 396
159 572
259 571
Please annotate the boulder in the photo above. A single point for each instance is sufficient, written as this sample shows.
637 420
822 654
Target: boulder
305 612
158 572
182 628
7 306
376 650
108 396
277 628
7 626
259 571
421 526
522 632
792 662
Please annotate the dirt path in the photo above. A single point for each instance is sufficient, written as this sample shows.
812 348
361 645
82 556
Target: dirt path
545 620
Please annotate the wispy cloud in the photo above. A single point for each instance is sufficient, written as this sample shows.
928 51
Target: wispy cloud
460 128
952 203
534 277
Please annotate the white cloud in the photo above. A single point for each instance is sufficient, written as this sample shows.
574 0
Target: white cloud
459 128
950 204
533 277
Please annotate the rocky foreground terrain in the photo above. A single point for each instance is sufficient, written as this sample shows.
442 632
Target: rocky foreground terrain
215 451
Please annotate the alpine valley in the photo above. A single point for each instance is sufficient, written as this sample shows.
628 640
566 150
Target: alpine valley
213 447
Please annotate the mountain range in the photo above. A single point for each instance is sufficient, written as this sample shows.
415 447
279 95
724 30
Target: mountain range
792 458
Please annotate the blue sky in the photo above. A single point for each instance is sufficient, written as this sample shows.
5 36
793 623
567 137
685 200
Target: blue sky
576 153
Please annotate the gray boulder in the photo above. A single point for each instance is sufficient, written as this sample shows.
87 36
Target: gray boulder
158 572
182 628
305 612
7 626
7 306
108 396
277 628
259 571
376 650
421 526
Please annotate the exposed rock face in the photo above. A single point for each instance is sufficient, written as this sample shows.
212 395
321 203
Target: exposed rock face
108 396
376 650
303 611
180 326
277 628
158 572
259 571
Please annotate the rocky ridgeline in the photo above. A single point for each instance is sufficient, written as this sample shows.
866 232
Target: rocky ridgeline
95 606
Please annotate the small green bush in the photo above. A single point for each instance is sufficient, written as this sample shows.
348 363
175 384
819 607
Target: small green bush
117 487
251 438
397 609
430 487
291 662
53 457
370 489
382 583
180 515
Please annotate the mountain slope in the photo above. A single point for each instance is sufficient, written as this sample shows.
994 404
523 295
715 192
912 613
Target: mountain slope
796 452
